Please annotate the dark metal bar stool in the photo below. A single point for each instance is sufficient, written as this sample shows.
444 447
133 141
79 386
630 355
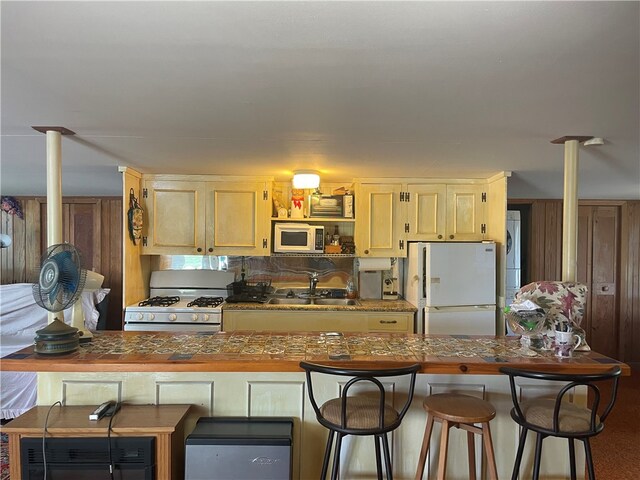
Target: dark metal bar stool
554 417
359 415
460 411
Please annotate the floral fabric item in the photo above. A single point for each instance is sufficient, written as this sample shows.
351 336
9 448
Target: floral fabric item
562 302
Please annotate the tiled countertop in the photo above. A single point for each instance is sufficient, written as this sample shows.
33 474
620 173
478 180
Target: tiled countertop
364 306
277 352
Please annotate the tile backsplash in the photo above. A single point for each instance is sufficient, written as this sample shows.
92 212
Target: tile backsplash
333 272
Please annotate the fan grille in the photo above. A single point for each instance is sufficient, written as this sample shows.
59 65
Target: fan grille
61 278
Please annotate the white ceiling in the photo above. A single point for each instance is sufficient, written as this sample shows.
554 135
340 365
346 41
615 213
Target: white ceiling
352 89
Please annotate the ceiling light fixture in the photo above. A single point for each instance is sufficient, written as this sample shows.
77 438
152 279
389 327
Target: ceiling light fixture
306 179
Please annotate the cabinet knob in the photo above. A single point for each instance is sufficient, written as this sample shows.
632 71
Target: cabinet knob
439 237
451 237
366 252
210 249
199 249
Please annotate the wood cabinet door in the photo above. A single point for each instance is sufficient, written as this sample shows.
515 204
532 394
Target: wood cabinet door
294 321
174 220
238 218
380 221
427 212
465 213
598 240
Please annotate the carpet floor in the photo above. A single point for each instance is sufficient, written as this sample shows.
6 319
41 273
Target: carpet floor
4 457
615 449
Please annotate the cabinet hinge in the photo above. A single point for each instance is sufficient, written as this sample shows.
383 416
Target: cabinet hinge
407 196
484 196
401 244
402 196
483 228
144 241
265 195
145 193
406 228
264 243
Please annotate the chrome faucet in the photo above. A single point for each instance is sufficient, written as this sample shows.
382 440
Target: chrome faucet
313 283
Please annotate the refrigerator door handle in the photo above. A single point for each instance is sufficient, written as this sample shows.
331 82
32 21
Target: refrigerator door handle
424 272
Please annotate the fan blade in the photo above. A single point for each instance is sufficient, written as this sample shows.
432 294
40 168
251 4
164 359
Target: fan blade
68 271
53 293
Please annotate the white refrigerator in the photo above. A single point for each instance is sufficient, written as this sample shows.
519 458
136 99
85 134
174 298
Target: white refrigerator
453 286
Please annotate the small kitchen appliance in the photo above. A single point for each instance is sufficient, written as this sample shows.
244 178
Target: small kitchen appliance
390 281
370 283
298 238
181 300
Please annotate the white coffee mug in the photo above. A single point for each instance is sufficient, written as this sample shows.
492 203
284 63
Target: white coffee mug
565 343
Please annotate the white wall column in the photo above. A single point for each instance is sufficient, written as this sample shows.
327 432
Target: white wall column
54 187
570 212
570 206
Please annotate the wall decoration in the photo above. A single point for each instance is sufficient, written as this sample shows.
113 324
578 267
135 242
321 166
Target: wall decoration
11 206
134 218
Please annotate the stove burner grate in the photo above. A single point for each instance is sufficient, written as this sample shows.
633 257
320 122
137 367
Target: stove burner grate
159 301
206 302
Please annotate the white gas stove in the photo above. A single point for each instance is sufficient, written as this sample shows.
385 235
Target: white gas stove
181 300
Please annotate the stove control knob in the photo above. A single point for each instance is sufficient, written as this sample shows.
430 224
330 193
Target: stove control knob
151 316
172 317
194 317
205 317
139 316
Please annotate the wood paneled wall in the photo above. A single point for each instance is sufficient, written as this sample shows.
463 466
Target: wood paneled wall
630 284
544 260
94 225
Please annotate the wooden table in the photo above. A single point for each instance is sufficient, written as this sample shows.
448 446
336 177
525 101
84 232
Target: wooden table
163 422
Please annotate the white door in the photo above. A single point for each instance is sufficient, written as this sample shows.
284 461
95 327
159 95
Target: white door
479 320
460 274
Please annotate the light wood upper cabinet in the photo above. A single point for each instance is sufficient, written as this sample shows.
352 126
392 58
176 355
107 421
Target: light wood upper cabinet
184 217
465 213
380 219
427 212
391 214
174 217
240 218
446 212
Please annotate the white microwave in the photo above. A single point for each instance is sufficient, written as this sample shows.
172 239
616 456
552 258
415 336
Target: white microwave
298 238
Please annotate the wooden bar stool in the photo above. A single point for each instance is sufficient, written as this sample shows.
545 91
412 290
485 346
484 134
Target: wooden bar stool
460 411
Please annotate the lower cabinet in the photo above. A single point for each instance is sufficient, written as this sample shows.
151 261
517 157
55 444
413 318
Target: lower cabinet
317 321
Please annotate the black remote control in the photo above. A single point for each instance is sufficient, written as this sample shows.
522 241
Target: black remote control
100 412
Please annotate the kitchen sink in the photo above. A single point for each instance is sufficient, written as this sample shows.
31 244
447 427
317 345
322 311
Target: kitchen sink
312 301
289 301
295 290
335 301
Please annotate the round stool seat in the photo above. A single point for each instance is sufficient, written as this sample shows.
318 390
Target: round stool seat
459 408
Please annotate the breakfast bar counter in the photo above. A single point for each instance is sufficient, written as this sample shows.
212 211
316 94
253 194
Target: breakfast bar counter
282 352
257 374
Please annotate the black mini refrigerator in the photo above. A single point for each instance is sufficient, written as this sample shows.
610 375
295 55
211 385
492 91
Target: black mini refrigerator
240 448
